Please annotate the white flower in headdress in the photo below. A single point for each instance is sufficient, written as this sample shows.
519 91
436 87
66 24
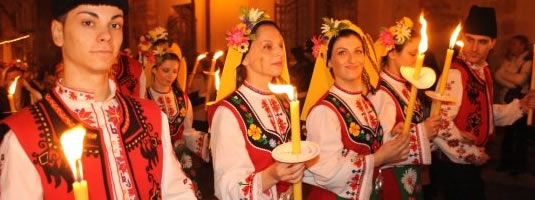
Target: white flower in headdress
330 27
409 180
255 14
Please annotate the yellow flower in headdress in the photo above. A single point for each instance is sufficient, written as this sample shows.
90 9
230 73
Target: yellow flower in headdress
158 33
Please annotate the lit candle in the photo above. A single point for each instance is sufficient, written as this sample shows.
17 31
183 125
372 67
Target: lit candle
11 94
460 43
295 125
194 71
532 86
211 76
217 80
435 108
72 142
422 47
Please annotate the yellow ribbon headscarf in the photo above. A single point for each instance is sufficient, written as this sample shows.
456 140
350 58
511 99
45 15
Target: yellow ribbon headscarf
235 55
322 79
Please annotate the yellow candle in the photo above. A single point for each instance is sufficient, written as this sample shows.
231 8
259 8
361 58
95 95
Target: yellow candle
422 47
211 76
194 71
11 94
72 142
532 86
296 128
414 93
80 190
435 108
296 141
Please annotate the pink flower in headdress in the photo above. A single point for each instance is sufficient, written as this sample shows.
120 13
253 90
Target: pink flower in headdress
317 41
387 39
236 36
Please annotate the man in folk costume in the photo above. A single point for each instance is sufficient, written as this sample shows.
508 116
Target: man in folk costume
342 120
128 74
469 122
166 88
395 48
247 123
127 152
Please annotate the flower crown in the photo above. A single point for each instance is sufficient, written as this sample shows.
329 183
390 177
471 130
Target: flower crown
239 36
396 35
329 29
154 54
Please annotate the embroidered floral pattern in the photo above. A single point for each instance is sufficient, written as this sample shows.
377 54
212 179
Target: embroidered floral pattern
354 129
254 132
409 180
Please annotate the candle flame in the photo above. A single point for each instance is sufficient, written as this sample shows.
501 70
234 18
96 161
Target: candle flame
454 35
460 43
13 86
217 80
217 55
201 56
279 89
72 142
423 32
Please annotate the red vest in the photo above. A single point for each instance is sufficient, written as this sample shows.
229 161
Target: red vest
475 114
39 127
176 123
126 74
259 150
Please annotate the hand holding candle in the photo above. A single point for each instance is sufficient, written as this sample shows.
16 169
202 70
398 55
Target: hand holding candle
194 71
296 127
72 142
435 108
11 95
211 76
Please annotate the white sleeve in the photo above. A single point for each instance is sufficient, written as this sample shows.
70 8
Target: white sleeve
345 173
142 85
507 114
175 184
19 179
419 146
449 139
196 141
234 172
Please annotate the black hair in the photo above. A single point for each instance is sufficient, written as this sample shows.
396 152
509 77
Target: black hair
166 56
346 33
241 72
520 38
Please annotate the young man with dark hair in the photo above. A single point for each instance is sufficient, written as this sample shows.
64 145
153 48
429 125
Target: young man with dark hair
127 152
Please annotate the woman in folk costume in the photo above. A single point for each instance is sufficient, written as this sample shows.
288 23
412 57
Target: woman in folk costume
396 47
341 119
247 123
166 88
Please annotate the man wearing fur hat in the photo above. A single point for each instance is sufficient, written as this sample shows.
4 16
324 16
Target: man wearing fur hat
468 123
127 153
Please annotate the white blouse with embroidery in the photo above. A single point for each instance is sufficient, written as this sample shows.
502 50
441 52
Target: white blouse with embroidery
348 174
234 172
196 141
19 179
386 107
449 139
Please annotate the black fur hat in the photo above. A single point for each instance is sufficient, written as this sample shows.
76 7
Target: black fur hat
62 7
481 21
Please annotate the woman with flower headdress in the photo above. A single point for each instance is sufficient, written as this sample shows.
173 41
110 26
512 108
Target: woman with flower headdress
166 87
247 123
398 46
341 119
